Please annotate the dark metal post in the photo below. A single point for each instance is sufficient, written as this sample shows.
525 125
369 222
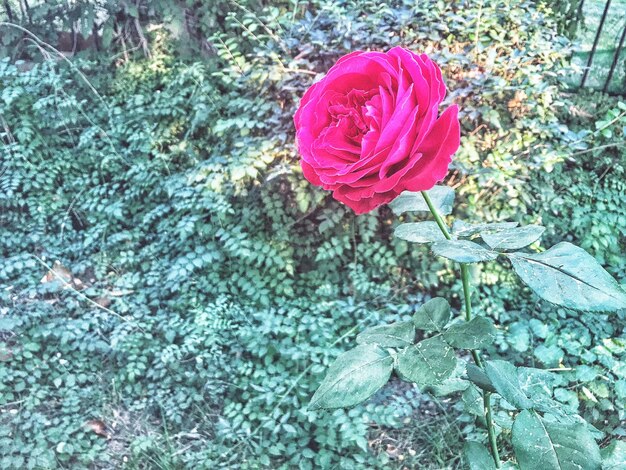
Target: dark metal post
615 60
579 13
595 43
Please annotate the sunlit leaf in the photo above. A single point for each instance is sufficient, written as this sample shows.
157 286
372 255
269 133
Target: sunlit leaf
442 198
433 315
545 444
419 232
569 276
429 362
395 335
538 385
354 377
475 334
464 230
453 384
463 251
513 238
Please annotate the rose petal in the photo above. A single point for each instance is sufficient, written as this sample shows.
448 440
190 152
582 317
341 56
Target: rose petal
310 174
438 148
362 206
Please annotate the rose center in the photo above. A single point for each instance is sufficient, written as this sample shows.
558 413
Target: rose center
349 113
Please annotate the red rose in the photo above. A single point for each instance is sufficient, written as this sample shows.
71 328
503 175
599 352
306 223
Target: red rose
370 128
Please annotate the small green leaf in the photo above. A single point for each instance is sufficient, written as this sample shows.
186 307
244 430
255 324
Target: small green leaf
433 315
354 377
549 355
614 456
429 362
535 381
419 232
395 335
546 444
449 386
538 384
463 251
473 401
478 457
34 347
569 276
478 377
409 201
465 230
475 334
513 238
453 384
503 376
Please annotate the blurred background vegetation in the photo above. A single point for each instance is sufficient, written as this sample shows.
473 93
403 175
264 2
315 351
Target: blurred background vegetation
172 289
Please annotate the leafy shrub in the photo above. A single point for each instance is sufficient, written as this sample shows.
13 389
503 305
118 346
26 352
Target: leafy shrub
210 287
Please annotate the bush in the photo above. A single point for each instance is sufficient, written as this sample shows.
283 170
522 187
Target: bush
198 287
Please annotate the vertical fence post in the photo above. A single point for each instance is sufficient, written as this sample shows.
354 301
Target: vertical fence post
579 12
595 43
615 60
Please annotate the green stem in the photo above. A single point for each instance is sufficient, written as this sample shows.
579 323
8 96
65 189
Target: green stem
468 316
438 218
493 444
467 296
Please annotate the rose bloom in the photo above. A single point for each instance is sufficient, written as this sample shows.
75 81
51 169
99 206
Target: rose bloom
371 129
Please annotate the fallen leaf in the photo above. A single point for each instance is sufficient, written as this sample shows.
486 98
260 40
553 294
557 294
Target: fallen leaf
58 272
98 427
103 301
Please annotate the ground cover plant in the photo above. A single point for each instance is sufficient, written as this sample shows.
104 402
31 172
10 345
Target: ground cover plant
196 287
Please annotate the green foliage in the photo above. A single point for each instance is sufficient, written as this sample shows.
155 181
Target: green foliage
477 333
477 456
175 198
614 455
197 262
463 251
419 232
546 443
464 230
389 336
478 376
569 276
120 26
442 198
503 376
513 238
354 377
433 315
585 196
429 362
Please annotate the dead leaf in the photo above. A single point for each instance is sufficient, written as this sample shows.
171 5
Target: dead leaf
58 272
574 111
103 301
5 354
518 100
120 293
393 452
98 427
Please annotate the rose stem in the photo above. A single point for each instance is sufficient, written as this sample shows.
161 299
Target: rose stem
468 316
